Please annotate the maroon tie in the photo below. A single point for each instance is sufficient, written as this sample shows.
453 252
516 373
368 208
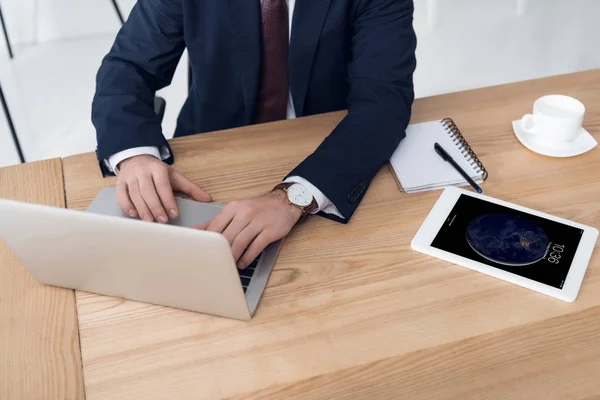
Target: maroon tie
273 94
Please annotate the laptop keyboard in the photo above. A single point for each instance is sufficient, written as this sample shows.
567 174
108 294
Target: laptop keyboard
247 273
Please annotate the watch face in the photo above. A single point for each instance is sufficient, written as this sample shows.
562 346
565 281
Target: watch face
299 195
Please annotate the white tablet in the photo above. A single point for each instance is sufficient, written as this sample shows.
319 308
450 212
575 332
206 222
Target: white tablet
519 245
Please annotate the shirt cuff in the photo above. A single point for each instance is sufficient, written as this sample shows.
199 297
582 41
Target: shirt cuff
324 204
114 160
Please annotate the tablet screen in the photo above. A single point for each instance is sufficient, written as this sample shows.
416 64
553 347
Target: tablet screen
514 241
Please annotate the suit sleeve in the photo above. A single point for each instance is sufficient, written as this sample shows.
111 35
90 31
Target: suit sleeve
379 105
142 60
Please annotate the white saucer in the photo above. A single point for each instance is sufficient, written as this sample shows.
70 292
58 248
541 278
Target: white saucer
584 142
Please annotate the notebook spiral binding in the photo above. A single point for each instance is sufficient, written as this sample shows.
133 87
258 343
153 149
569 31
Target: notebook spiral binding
465 148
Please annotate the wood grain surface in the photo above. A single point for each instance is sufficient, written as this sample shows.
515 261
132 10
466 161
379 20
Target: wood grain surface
351 312
39 340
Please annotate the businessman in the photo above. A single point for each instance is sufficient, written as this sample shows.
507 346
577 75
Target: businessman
257 61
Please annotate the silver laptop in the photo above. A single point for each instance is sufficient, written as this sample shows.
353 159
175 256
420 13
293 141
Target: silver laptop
104 251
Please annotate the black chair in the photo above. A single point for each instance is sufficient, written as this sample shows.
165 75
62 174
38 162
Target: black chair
9 119
8 46
11 126
118 11
159 107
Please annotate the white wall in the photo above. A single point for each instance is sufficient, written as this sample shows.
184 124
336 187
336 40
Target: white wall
41 21
462 44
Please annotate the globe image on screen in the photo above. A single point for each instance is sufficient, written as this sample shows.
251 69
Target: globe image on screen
507 239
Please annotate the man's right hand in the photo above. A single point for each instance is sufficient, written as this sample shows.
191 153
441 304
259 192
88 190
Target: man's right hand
145 187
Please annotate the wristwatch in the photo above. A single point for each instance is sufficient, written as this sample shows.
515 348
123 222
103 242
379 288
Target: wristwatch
299 196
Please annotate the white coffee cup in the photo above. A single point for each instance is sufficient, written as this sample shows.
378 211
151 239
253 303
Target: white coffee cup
556 118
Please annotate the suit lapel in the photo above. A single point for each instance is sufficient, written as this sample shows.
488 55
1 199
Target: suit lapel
246 20
308 19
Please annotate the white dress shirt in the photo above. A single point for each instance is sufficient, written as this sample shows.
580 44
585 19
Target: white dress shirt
324 204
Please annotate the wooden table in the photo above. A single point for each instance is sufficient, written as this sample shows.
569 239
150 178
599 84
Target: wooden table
350 311
39 340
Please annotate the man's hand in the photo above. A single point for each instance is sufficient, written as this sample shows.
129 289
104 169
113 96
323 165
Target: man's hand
145 187
252 224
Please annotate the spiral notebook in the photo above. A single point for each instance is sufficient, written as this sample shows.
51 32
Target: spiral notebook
418 167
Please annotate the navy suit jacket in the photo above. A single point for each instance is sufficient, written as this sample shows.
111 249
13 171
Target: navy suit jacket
357 55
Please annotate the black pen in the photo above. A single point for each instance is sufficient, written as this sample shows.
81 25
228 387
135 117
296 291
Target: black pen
446 157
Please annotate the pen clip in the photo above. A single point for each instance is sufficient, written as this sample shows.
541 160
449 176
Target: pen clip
440 151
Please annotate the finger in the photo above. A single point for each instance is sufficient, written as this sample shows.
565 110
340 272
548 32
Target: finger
243 240
165 192
221 221
124 200
183 184
136 197
203 226
257 245
151 198
235 227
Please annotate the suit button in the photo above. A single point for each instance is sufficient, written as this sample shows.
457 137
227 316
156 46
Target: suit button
362 189
356 194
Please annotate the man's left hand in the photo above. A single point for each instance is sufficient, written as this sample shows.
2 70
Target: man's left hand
252 224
